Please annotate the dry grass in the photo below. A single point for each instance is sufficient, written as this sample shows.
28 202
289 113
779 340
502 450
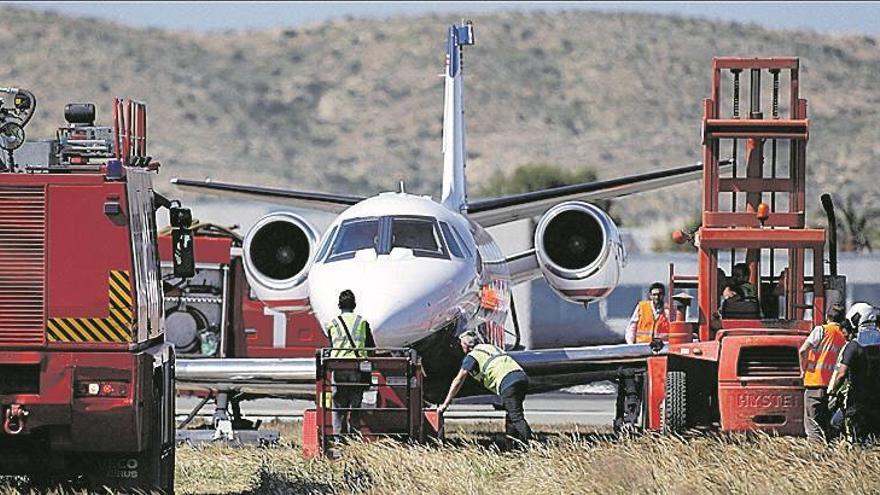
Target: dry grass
563 460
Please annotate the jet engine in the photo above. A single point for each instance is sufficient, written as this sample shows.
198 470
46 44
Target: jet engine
579 251
278 251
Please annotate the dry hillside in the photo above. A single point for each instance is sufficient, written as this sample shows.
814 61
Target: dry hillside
352 106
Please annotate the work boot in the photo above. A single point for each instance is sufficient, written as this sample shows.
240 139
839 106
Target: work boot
627 430
514 444
334 453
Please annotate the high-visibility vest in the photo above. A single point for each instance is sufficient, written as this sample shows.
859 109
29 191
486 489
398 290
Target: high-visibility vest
647 328
494 366
345 343
822 358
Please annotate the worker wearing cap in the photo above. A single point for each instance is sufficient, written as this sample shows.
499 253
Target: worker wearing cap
860 365
818 357
650 320
348 332
499 373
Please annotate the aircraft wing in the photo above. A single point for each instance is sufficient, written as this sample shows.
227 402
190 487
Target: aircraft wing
552 369
548 369
334 203
269 377
495 211
523 267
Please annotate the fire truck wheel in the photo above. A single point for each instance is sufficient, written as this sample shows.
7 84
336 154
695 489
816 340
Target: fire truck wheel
675 402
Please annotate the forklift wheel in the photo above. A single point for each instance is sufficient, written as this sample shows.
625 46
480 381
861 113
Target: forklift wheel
675 403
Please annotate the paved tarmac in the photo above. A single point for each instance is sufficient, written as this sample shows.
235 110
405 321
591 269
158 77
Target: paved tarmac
547 408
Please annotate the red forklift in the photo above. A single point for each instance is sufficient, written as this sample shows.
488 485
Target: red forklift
86 377
734 364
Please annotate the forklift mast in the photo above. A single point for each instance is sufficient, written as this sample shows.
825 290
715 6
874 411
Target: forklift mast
758 212
735 366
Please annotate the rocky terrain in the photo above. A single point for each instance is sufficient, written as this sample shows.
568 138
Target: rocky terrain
356 105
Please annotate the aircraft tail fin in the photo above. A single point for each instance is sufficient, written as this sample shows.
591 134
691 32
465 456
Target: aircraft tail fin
454 194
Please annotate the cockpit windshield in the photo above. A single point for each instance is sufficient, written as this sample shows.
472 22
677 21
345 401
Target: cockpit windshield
418 234
356 234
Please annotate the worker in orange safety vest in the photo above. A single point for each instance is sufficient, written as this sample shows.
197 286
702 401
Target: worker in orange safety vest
650 320
818 357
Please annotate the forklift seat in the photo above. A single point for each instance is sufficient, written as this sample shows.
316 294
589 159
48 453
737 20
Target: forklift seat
741 309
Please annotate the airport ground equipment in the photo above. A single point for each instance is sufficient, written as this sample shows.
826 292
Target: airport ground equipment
393 404
222 334
86 376
215 314
737 365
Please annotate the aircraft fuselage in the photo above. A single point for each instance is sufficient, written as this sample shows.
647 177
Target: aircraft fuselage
415 268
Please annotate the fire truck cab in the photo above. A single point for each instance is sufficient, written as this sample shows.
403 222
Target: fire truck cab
86 377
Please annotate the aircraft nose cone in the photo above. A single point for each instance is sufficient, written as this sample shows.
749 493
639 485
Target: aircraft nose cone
403 302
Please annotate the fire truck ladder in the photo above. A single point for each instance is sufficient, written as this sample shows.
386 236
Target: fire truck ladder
130 132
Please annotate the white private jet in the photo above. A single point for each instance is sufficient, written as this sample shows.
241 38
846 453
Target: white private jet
424 271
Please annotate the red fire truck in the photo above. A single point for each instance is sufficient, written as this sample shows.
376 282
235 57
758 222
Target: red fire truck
86 377
735 363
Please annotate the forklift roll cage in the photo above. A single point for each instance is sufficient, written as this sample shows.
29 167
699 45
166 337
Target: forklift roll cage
780 224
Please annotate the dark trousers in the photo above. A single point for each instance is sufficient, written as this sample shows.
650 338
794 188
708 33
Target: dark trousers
346 396
629 401
836 425
515 424
863 424
816 415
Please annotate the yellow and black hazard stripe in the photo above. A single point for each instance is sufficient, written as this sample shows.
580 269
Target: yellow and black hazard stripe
114 329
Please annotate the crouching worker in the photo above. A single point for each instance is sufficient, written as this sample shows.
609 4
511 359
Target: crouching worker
499 373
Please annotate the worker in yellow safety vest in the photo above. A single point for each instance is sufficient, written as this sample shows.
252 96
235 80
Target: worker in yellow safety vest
501 375
818 357
650 320
348 333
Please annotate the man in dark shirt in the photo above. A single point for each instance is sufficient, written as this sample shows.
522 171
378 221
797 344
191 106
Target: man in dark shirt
860 364
740 278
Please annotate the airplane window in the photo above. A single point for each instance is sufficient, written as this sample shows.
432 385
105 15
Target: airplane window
355 235
326 244
451 241
460 239
418 234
